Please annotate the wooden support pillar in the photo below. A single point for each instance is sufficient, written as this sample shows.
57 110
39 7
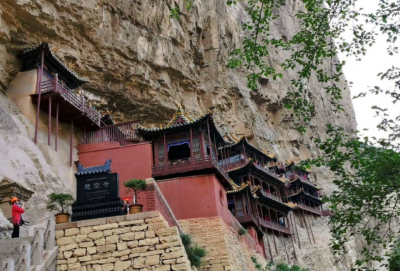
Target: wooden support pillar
39 92
202 145
312 234
269 245
49 130
296 230
284 245
70 142
191 146
305 224
56 139
291 237
165 152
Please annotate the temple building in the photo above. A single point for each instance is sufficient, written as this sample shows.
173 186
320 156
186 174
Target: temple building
52 87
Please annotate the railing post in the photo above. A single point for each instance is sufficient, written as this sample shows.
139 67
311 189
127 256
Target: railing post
8 264
99 118
83 103
25 256
50 234
56 82
37 255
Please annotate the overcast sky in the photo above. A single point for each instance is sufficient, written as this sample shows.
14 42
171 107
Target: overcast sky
363 74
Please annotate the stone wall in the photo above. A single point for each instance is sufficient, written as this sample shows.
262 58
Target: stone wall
133 242
226 250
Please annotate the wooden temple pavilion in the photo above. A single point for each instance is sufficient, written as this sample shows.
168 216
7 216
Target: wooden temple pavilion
55 93
302 191
262 203
186 147
241 150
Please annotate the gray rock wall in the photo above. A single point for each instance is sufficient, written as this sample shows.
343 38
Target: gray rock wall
142 64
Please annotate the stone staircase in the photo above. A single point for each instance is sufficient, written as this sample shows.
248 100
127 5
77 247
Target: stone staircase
37 252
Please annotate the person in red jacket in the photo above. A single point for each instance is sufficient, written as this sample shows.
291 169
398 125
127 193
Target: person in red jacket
16 216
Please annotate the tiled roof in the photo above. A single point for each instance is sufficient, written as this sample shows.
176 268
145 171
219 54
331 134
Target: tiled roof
106 168
35 52
246 142
181 121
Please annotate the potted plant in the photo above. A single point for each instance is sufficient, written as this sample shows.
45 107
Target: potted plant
60 202
137 186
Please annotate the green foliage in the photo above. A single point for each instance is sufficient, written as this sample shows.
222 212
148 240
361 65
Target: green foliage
135 185
175 12
60 202
279 267
242 231
366 200
394 258
194 252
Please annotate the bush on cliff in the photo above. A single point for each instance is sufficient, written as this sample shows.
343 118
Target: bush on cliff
194 252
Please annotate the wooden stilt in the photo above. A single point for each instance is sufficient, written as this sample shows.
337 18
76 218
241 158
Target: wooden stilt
269 246
312 234
284 245
276 247
49 130
56 139
39 92
165 152
296 230
306 227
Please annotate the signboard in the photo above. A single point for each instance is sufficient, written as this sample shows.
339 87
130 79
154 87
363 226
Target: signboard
95 188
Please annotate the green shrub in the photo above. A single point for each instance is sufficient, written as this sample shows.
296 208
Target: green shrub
194 252
279 267
242 231
394 260
60 202
137 186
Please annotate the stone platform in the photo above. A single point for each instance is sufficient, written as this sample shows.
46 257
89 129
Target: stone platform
131 242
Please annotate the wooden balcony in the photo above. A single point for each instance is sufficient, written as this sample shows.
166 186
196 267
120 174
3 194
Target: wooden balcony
275 226
70 104
263 223
179 167
314 210
124 133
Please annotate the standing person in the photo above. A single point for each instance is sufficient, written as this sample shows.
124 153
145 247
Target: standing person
16 216
126 207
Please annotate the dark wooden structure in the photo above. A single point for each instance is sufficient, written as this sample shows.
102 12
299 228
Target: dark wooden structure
186 147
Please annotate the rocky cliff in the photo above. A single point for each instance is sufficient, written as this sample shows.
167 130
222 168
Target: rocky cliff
142 64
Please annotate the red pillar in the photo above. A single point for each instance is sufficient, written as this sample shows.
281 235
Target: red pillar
39 92
49 131
56 139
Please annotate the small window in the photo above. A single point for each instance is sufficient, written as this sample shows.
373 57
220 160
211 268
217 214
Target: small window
196 145
178 152
161 151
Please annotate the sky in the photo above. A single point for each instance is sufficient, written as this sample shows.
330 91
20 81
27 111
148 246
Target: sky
363 74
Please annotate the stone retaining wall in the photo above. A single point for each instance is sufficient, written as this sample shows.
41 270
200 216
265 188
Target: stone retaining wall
133 242
226 250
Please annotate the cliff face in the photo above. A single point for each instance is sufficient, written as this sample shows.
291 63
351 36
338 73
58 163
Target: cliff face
142 64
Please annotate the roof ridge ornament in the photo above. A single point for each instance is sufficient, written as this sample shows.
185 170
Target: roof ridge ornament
106 168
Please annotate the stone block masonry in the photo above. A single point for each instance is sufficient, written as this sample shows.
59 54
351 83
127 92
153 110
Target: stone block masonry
226 250
142 242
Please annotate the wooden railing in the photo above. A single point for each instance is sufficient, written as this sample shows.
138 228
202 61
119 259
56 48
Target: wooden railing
261 222
311 209
269 195
274 226
53 84
305 180
186 165
125 131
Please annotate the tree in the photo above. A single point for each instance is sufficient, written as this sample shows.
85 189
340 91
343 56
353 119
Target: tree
365 202
137 186
194 252
60 202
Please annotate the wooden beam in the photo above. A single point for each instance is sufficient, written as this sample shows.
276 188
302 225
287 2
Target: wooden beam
49 130
56 139
39 92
